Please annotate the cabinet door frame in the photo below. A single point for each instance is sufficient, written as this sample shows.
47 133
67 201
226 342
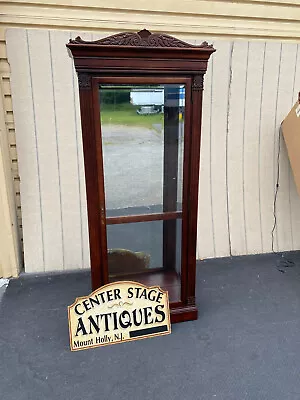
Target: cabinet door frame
102 279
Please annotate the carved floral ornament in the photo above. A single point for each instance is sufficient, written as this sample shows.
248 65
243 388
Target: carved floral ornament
84 80
143 38
198 81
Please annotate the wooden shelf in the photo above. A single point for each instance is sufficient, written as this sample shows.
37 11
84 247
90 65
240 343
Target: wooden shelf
165 279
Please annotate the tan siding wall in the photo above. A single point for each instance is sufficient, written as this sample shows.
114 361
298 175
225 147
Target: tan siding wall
252 19
46 104
190 20
249 88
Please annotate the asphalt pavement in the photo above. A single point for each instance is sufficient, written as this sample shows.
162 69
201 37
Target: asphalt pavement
245 344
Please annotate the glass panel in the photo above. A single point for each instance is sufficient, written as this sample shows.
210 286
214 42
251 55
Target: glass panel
142 138
134 247
149 252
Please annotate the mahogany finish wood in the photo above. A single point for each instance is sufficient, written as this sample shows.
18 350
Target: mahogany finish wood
125 219
167 280
132 58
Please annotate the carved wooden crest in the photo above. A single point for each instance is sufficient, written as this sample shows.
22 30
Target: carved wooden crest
143 38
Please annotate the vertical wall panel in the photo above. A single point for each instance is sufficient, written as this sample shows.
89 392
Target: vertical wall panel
218 146
235 163
267 147
42 94
205 239
83 212
24 109
62 73
251 165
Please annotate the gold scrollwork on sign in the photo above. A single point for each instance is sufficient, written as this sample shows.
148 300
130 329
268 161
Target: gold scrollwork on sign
120 304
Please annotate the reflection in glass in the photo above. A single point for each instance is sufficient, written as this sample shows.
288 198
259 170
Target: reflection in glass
140 248
142 138
144 238
134 247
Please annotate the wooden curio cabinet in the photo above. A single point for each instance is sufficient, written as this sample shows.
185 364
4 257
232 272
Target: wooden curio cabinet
141 104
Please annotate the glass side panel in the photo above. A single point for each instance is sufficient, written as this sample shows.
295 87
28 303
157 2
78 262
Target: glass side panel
142 138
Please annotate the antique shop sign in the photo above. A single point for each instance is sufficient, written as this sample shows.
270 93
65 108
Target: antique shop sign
118 312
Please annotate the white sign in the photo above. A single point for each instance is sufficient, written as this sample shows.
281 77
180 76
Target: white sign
118 312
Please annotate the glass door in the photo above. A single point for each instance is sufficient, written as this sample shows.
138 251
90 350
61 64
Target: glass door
143 136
